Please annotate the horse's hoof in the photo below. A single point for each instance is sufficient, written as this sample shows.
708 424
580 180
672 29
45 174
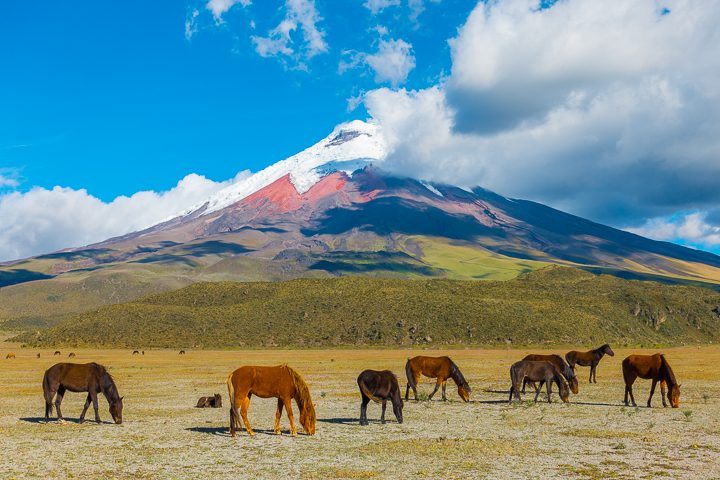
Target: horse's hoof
252 434
278 432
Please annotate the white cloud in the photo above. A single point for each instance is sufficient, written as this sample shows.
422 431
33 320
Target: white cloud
607 110
191 26
220 7
42 220
693 228
376 6
8 181
280 41
393 61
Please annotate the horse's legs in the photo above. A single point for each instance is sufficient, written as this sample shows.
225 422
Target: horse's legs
48 402
548 384
437 386
93 396
363 409
288 409
652 392
382 416
662 392
243 412
407 391
444 384
58 401
594 372
278 414
591 373
629 380
87 404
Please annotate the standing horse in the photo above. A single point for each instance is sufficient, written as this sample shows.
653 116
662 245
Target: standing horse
378 387
440 368
556 360
75 377
537 372
656 368
589 359
281 382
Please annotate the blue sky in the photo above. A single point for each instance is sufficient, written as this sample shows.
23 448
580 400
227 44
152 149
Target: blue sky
112 97
114 115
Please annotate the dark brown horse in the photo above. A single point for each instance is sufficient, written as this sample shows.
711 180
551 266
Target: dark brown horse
656 368
182 352
589 359
537 372
57 352
72 355
210 402
564 368
440 368
88 377
135 352
379 386
281 382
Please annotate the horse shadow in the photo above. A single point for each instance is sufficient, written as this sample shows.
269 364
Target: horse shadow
343 420
225 431
42 420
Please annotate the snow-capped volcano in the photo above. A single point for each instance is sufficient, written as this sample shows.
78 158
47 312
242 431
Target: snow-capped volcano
349 147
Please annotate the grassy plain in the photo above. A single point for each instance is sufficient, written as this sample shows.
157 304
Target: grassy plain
163 436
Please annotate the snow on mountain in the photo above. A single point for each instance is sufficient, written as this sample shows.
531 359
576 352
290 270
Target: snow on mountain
349 147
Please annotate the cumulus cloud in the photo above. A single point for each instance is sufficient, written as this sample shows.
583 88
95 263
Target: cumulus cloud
220 7
695 228
607 110
281 41
392 62
376 6
44 220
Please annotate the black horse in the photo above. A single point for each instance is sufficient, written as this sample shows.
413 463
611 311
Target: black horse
379 386
88 377
589 359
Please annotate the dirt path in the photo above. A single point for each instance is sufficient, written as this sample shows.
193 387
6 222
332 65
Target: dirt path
163 436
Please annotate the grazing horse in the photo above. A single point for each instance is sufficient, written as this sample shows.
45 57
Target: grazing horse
72 355
564 368
57 352
281 382
537 372
378 386
76 377
656 368
135 352
589 359
182 352
9 356
441 368
210 402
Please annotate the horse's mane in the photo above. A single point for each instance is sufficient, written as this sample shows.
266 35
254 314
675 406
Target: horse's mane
107 382
302 395
456 374
667 371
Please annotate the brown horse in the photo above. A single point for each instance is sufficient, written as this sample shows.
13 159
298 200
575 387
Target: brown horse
378 386
653 367
72 355
75 377
281 382
9 356
210 402
537 372
440 368
57 352
564 368
589 359
182 352
135 352
38 355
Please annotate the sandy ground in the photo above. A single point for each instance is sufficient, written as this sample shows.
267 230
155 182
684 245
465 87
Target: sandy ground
163 436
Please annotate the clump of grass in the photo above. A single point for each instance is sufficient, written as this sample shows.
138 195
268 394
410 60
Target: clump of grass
619 446
688 414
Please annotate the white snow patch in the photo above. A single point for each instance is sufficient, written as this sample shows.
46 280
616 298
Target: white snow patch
433 189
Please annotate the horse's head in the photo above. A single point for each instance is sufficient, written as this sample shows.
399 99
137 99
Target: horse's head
464 391
116 409
573 381
673 395
608 351
307 418
564 391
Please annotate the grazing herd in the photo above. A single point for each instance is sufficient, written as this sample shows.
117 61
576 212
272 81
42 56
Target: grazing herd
285 384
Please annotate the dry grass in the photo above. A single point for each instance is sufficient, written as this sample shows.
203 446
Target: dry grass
165 437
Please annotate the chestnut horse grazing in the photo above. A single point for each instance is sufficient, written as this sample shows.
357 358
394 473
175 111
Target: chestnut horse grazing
589 359
537 372
281 382
9 356
440 368
378 386
656 368
87 377
564 368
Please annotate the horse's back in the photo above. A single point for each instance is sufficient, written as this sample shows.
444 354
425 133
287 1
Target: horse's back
263 381
644 366
432 367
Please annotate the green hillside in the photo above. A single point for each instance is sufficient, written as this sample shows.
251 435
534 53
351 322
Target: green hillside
554 305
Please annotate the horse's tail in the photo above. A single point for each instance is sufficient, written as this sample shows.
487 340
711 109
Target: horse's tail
47 393
368 393
410 374
234 414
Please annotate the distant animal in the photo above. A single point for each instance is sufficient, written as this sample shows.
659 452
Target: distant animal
656 368
9 356
143 352
38 355
440 368
57 352
72 355
135 352
182 352
281 382
564 368
589 359
379 386
544 372
210 402
76 377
